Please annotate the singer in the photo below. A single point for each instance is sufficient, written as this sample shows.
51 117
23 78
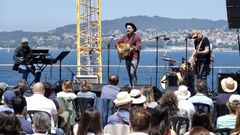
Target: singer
129 47
200 59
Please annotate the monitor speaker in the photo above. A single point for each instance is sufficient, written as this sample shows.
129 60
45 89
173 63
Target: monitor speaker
221 76
233 13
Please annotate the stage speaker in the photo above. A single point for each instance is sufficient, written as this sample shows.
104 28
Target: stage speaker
171 82
233 13
221 76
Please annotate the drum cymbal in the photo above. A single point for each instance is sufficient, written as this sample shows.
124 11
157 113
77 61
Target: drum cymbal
168 59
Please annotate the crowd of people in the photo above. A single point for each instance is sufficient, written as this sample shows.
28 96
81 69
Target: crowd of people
49 109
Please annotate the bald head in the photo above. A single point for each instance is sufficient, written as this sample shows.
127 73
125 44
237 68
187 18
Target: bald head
38 88
113 79
195 33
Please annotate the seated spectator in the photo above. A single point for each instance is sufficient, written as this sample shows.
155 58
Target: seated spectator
123 101
236 131
67 90
21 89
229 120
111 90
126 88
10 125
20 109
40 103
200 97
3 87
49 92
201 119
199 131
90 123
8 97
160 122
169 100
139 120
41 123
138 99
85 90
148 93
183 104
229 86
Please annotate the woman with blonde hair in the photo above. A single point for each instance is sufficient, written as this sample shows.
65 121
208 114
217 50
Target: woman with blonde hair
85 90
148 93
67 90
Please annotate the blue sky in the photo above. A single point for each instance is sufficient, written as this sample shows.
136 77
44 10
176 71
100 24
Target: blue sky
44 15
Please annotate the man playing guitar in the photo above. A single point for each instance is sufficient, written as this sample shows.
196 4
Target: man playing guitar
200 59
129 47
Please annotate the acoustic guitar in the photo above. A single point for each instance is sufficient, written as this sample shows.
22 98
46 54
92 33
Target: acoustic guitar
125 51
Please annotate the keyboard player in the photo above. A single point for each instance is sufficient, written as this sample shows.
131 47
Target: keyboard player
22 56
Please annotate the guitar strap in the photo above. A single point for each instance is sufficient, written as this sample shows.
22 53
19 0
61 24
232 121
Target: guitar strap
200 44
132 40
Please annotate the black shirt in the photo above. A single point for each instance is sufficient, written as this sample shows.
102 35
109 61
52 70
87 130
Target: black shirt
203 58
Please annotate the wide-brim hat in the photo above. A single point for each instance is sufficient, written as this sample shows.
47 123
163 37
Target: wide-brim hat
234 98
182 93
195 33
229 85
132 25
137 97
122 98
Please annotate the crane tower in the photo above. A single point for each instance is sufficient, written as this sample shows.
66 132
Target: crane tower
89 39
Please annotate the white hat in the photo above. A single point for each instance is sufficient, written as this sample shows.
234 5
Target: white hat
122 98
137 97
182 92
229 85
24 40
234 97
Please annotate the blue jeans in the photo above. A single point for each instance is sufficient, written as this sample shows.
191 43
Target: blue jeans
131 66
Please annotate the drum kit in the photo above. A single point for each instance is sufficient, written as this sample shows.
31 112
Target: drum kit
177 75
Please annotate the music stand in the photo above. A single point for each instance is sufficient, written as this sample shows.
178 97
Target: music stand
60 57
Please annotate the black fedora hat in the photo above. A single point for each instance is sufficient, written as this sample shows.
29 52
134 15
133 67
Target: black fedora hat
132 25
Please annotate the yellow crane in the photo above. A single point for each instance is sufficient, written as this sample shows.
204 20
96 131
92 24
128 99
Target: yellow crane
89 39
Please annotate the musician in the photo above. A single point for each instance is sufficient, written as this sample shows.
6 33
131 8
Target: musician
21 57
201 55
132 40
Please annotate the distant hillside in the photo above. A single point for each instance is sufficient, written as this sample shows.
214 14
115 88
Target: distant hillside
63 37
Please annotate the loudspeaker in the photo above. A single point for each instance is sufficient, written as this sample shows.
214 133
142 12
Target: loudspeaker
91 78
233 13
171 82
221 76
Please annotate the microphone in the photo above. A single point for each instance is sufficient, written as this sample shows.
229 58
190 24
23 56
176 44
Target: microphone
189 36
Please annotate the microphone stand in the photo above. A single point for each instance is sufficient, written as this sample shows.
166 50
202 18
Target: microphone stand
108 55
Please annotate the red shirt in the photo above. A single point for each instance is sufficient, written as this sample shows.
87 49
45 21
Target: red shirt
135 41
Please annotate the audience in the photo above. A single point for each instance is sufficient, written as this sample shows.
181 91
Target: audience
201 96
8 97
123 101
85 90
160 122
49 92
183 104
148 93
10 125
138 99
20 109
139 120
201 119
229 120
236 131
90 123
41 123
111 90
199 131
67 90
229 86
